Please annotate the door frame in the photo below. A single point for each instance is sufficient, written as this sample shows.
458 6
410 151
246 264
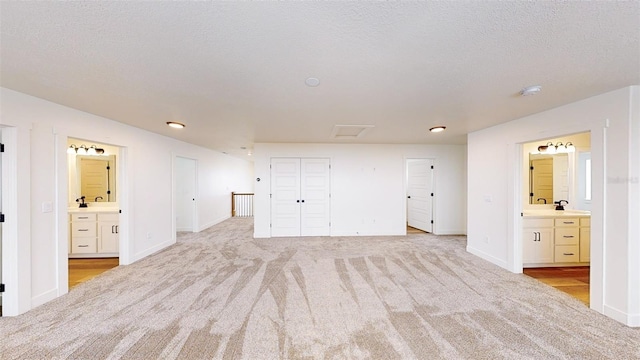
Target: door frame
516 187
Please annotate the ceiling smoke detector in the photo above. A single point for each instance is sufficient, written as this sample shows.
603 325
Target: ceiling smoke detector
312 82
531 90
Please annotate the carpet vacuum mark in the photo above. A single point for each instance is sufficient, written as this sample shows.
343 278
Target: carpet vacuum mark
220 294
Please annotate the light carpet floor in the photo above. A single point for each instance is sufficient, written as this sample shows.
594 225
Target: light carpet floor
221 294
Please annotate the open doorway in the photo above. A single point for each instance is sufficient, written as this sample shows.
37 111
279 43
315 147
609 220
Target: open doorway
420 193
185 175
556 215
94 210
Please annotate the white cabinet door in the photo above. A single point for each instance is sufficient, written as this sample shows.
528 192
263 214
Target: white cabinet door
537 245
300 197
419 199
585 244
108 238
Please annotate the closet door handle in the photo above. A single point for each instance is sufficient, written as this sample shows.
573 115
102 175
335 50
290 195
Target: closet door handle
302 200
83 245
567 236
567 254
83 229
297 201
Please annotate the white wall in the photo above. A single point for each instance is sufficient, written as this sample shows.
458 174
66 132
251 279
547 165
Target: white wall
495 193
368 195
35 132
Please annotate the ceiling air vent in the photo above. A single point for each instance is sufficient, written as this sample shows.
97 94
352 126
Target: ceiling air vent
350 131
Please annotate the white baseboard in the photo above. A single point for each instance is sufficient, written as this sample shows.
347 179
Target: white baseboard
44 297
632 320
152 250
488 257
451 232
214 222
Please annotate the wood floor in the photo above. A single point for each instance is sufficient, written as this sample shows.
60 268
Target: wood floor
81 270
572 280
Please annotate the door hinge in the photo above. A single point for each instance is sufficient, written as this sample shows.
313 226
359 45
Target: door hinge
1 148
1 217
1 288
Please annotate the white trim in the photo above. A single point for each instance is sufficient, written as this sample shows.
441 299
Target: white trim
125 191
490 258
44 297
61 214
621 316
152 250
214 222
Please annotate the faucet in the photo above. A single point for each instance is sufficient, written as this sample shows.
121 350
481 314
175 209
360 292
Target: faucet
81 201
98 197
543 199
559 205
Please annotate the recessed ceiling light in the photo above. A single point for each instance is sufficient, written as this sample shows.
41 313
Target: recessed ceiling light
531 90
437 128
312 82
175 125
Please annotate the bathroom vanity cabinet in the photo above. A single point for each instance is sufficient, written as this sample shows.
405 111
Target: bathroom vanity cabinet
93 234
560 240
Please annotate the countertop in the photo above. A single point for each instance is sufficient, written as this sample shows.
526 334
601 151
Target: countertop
550 213
95 209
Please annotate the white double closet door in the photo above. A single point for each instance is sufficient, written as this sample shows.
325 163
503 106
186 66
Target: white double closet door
300 197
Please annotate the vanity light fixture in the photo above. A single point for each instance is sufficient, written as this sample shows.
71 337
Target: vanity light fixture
176 125
558 148
72 149
437 129
84 150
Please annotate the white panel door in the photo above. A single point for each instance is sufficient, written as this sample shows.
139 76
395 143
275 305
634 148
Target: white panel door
419 190
285 197
300 197
315 195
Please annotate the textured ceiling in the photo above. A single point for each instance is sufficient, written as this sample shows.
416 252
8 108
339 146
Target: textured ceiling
235 72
